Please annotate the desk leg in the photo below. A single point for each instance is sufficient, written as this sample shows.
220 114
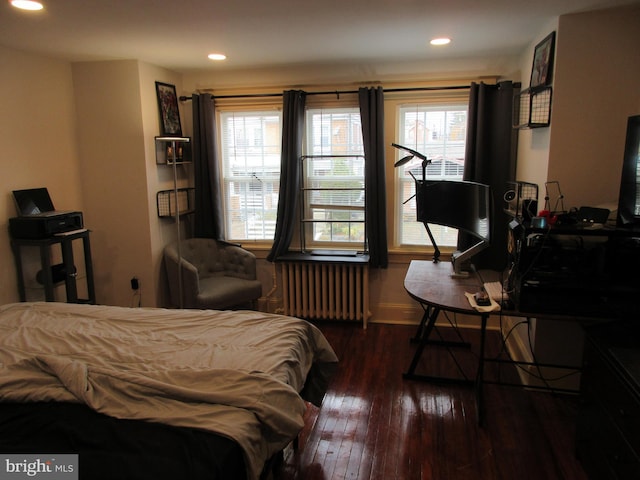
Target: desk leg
17 256
480 375
70 275
423 322
432 316
88 265
45 261
420 333
428 322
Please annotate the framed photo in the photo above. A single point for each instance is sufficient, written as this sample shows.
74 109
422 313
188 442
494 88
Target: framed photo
168 106
542 70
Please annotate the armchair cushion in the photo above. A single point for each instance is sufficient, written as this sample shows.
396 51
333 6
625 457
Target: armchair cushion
224 292
215 274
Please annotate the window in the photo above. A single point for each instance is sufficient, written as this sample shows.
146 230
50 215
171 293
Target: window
439 132
333 180
250 145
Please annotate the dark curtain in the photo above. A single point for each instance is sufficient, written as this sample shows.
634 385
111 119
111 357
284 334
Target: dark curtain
209 215
293 102
372 115
490 158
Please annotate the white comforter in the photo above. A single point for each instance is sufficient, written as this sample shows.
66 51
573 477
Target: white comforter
234 373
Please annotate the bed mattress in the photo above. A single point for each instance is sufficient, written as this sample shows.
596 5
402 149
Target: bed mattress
243 376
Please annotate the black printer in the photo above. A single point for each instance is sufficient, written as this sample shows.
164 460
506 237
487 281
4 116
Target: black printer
38 218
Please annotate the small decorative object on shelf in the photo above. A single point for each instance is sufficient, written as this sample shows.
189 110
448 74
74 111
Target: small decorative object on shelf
168 206
532 108
173 149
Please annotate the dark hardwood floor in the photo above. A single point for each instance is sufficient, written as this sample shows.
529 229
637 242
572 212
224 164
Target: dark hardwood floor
374 424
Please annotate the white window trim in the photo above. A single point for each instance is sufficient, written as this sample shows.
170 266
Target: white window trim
392 129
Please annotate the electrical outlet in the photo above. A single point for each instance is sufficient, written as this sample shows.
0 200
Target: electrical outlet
135 283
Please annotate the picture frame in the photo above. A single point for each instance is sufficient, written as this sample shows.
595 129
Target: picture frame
168 108
542 69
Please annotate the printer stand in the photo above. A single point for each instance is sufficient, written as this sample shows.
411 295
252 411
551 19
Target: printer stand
65 240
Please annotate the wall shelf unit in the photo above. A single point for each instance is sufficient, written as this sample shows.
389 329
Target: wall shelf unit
174 203
532 108
170 150
169 203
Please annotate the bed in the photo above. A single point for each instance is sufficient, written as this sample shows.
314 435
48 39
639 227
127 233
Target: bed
157 393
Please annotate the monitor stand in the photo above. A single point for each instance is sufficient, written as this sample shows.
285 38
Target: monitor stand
436 250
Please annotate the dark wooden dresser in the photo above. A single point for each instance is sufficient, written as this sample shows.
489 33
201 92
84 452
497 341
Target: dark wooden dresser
608 429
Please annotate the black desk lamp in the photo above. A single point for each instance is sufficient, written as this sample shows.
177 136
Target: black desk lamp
403 160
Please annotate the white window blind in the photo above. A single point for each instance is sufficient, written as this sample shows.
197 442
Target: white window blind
333 180
250 145
439 132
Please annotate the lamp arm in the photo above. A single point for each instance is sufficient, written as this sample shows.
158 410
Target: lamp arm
436 251
425 162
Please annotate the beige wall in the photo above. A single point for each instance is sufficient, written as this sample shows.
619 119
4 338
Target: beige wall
112 148
595 91
117 104
37 132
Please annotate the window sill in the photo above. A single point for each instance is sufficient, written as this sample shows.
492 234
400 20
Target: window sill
309 258
405 255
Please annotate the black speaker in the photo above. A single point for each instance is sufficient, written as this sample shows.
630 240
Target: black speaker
509 196
58 273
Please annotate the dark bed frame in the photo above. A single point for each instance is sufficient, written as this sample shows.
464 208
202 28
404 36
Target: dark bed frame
110 448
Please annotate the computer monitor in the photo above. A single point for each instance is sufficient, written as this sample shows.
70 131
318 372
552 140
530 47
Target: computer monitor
465 206
629 200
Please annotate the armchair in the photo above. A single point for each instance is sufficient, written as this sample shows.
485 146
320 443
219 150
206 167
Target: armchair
215 275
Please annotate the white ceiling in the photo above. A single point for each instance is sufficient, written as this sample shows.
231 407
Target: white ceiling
254 33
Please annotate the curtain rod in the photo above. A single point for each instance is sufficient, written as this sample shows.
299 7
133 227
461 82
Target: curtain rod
338 92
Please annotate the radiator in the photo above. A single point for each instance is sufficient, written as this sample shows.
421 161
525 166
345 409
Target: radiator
326 291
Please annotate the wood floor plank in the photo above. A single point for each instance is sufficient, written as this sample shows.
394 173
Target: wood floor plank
375 425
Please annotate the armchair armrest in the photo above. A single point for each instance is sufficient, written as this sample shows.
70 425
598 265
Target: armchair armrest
190 280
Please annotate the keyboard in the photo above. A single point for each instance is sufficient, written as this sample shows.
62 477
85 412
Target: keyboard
495 291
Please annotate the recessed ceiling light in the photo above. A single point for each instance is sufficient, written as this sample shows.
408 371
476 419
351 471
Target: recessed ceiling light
217 56
440 41
27 4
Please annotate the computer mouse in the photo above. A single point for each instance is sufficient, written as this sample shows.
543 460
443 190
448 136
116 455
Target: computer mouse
482 299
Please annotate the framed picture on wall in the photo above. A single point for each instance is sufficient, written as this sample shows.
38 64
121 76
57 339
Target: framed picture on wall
542 69
168 106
